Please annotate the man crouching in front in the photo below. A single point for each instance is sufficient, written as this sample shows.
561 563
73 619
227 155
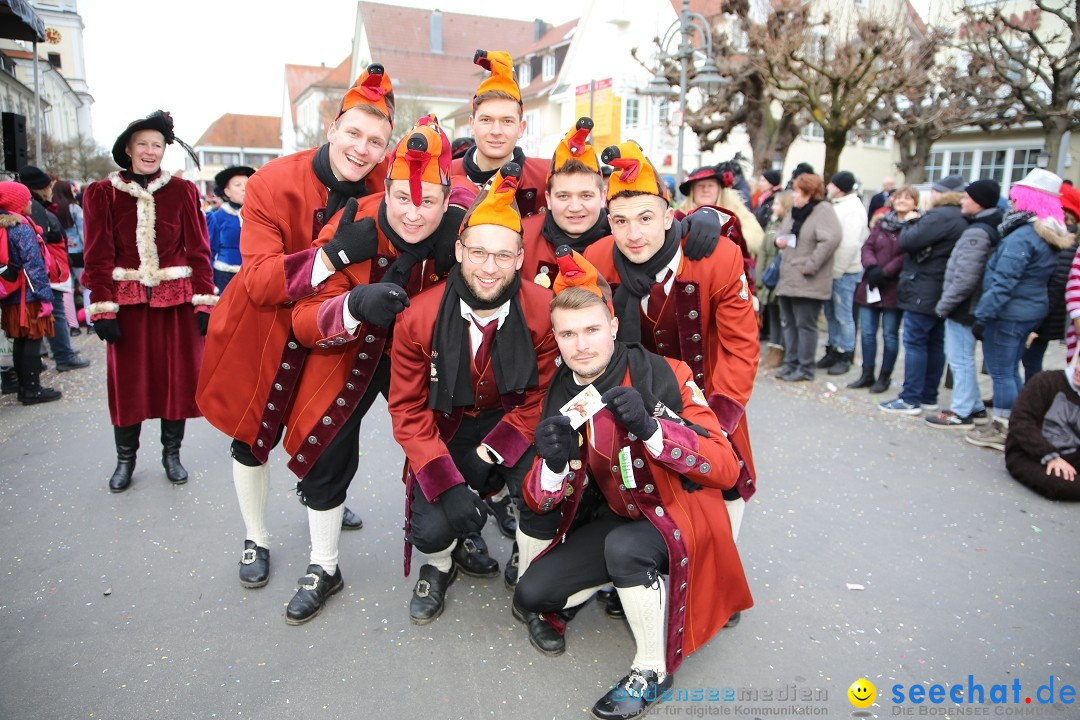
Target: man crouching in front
639 486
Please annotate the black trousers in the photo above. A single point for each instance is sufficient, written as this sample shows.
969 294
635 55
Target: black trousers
431 531
327 483
605 548
241 451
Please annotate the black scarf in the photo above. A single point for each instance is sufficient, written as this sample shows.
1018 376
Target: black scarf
1014 219
799 215
481 177
142 180
513 358
635 282
650 373
340 190
409 254
556 236
890 222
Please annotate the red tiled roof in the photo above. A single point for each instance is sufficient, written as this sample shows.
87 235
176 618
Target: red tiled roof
554 36
299 78
709 8
338 77
400 39
250 131
21 54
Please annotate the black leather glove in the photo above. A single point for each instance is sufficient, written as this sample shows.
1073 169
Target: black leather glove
554 439
689 485
626 405
378 303
353 242
202 320
701 229
874 275
978 329
464 509
108 329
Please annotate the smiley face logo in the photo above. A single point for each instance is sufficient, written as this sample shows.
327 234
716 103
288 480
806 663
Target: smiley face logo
862 693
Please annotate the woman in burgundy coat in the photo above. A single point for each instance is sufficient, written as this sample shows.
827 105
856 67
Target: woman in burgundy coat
147 260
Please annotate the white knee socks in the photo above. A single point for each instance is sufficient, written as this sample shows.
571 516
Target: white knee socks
646 613
735 510
325 528
252 489
528 548
442 560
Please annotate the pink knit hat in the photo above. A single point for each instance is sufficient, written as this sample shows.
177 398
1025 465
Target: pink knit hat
13 196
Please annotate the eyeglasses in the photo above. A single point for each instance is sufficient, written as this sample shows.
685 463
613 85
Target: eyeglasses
479 256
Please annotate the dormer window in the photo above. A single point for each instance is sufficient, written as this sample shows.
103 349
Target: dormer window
548 67
524 73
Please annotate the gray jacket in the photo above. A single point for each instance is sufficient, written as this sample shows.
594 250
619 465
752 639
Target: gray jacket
964 270
806 269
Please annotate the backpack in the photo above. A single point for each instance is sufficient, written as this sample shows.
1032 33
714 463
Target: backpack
771 277
8 287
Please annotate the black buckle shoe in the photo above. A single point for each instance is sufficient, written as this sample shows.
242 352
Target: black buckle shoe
315 588
612 604
733 620
542 635
254 565
173 469
471 555
351 521
121 477
429 595
505 516
510 573
632 696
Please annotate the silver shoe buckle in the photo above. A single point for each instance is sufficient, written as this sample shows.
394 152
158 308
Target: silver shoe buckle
423 588
636 685
248 557
314 581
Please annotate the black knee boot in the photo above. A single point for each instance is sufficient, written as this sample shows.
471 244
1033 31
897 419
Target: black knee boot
29 372
172 434
127 445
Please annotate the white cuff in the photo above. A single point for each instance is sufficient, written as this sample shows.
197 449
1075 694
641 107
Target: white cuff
491 451
655 442
319 272
351 323
552 481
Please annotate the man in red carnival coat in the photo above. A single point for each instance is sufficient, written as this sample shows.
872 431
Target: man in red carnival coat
470 362
347 325
253 361
147 260
638 490
698 311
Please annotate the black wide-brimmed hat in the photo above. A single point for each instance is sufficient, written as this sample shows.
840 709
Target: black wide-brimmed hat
222 178
159 120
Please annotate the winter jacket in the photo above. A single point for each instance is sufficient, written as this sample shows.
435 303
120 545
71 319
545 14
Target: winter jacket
964 271
882 248
806 269
25 252
74 234
768 254
1053 326
763 212
852 217
223 226
928 242
1014 287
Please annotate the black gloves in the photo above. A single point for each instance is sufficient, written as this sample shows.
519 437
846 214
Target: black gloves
464 509
108 329
873 276
202 319
701 229
353 242
554 439
626 405
378 303
978 329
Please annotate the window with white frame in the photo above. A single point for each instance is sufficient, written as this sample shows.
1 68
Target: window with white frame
548 67
992 164
632 113
524 73
935 166
960 163
812 131
531 139
664 112
1024 161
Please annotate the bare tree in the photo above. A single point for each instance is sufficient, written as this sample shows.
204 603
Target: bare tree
838 69
78 159
1036 55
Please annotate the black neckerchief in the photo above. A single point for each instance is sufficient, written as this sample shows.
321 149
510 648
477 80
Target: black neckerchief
409 254
481 177
556 236
635 282
890 222
142 180
650 374
340 190
513 358
1014 219
234 206
798 215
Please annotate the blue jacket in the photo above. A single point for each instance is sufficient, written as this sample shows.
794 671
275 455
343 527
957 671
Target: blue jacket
224 230
1014 286
25 252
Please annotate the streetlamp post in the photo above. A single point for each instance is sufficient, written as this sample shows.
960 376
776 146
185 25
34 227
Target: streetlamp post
708 78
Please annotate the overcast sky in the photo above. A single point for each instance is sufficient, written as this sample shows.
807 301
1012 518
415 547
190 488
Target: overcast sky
200 59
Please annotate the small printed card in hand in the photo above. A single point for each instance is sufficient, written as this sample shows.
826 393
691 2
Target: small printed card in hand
582 406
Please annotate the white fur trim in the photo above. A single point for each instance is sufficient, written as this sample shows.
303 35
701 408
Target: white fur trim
229 210
149 272
100 308
174 272
210 300
225 267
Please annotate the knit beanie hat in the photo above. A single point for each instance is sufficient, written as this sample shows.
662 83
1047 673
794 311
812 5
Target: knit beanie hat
373 88
34 178
948 184
633 171
984 192
1070 199
844 181
502 78
422 155
14 196
772 177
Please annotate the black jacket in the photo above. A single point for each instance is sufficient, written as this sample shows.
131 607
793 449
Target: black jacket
51 230
1053 326
927 243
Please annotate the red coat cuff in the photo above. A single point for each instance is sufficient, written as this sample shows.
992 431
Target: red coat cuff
536 497
298 267
682 454
508 441
331 322
728 411
438 476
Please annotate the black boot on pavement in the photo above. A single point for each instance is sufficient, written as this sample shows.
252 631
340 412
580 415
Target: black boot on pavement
172 434
843 363
865 380
351 521
882 384
829 358
505 516
127 445
542 635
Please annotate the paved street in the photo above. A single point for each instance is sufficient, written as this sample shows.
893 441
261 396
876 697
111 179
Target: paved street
127 606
